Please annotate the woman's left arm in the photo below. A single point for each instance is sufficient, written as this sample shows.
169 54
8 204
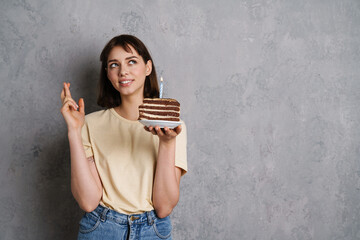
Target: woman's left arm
167 176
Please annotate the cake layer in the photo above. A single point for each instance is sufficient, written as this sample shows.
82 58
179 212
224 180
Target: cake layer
159 113
162 119
162 101
160 109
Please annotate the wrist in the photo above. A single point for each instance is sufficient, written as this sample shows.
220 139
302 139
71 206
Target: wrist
167 143
74 133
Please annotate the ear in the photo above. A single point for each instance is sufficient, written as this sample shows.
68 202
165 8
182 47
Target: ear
148 67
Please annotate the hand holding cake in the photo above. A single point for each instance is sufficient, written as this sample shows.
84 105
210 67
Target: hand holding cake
161 111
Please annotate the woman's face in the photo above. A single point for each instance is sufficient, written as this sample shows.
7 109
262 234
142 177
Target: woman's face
127 71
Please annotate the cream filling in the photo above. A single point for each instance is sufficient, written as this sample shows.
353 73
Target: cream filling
158 110
158 105
156 116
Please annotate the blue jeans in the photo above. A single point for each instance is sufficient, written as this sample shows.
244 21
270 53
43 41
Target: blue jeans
104 223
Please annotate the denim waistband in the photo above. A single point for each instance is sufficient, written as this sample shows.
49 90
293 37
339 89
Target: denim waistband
106 213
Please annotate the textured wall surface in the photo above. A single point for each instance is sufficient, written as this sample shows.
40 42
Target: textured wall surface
270 92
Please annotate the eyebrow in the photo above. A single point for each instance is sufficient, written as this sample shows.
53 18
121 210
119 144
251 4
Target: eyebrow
115 60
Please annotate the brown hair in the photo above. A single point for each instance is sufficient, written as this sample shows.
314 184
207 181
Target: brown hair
108 96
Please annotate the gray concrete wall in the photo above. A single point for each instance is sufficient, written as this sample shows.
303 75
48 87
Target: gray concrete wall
270 92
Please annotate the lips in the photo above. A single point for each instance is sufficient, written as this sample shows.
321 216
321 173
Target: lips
125 82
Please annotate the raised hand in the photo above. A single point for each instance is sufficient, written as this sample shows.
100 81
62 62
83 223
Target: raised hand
74 118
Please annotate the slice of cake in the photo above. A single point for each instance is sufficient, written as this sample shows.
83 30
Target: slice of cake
166 109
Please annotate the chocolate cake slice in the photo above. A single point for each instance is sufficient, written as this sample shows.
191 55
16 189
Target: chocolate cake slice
165 109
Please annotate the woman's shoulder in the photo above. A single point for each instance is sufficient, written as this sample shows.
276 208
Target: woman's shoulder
97 115
182 122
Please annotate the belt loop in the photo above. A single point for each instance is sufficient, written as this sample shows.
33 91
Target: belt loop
103 214
149 218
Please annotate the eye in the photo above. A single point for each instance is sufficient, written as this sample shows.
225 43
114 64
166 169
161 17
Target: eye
113 65
132 62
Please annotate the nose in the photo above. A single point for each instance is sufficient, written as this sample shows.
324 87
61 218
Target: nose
123 71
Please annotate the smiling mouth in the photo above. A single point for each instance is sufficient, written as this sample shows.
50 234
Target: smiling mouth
126 82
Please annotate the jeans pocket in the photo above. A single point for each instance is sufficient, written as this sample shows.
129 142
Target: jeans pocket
162 227
89 223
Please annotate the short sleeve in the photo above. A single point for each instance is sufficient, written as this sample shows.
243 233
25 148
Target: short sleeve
181 151
85 134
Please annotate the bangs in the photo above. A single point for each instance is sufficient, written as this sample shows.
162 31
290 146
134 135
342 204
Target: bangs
126 46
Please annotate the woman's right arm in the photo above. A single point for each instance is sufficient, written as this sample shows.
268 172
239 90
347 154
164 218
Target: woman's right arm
86 185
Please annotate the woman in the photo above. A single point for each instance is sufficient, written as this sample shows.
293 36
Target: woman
125 178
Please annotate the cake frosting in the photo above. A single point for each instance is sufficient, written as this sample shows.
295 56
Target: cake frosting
166 109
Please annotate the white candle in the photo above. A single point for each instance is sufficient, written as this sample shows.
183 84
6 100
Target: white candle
161 87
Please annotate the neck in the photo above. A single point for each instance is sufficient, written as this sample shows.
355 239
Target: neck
129 107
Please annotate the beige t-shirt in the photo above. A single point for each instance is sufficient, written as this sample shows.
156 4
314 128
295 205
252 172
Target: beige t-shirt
125 156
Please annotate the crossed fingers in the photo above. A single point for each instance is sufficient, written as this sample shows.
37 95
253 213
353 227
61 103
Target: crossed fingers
66 98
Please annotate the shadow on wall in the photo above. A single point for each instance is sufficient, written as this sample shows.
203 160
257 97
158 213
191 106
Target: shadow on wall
58 211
